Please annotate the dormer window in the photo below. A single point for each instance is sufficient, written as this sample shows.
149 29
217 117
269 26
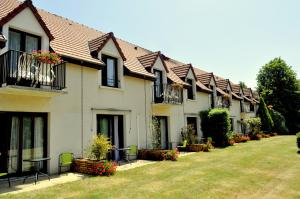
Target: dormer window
22 41
110 72
190 90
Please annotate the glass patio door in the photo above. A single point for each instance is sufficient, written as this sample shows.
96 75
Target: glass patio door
24 136
112 127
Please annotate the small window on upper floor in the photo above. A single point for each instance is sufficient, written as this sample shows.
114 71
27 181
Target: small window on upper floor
22 41
110 72
190 90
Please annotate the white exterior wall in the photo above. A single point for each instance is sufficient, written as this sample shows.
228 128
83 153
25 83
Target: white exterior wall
235 113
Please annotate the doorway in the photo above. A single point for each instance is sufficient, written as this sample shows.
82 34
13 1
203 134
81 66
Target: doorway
24 136
111 126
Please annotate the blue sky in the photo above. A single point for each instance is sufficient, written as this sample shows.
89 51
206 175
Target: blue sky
232 38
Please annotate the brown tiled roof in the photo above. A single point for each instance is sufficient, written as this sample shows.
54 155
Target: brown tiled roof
202 87
235 88
13 9
220 91
182 70
97 44
247 92
235 96
247 99
149 60
222 84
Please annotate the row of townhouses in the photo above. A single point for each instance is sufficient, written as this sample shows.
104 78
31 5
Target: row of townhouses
103 85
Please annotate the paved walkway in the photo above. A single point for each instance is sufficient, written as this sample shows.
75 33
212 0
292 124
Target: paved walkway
19 187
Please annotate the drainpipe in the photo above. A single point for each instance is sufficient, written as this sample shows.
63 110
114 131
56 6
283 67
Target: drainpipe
81 110
146 112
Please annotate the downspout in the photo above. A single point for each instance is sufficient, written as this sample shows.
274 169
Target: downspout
145 95
81 110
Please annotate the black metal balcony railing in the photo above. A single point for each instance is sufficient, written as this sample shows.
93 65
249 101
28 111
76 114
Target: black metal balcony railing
20 68
168 94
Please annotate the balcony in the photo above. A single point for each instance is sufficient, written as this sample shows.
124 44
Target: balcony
167 94
19 70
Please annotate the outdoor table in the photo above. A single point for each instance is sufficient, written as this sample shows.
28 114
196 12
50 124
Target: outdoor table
37 166
125 150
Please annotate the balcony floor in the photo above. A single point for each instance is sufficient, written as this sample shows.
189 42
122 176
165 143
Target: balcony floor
30 91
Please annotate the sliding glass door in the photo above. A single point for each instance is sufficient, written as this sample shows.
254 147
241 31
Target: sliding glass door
112 127
25 137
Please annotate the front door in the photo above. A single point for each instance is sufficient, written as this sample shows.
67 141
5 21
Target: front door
24 136
112 127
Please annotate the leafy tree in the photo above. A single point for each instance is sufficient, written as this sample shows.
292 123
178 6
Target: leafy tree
279 122
243 85
267 123
278 85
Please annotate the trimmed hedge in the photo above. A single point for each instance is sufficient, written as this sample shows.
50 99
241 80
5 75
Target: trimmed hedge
197 147
219 126
157 154
205 122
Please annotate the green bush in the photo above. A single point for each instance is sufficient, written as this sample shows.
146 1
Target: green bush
99 148
266 119
219 126
298 135
253 125
205 123
188 133
279 122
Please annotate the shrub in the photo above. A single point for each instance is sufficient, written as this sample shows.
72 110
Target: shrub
99 148
253 125
238 138
188 133
171 155
156 133
219 126
205 123
106 168
298 140
279 122
157 154
267 123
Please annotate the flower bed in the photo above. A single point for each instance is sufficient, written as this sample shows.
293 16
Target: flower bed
197 147
158 154
241 138
106 168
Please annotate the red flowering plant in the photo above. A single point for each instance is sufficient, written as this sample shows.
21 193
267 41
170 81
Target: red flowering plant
46 57
106 168
171 155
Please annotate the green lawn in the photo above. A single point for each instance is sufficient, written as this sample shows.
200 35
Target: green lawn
269 168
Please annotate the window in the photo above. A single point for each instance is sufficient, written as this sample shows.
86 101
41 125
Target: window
110 72
158 86
212 96
190 90
22 41
251 107
231 124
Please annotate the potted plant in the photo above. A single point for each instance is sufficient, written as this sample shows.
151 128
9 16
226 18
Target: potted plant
46 57
298 141
94 155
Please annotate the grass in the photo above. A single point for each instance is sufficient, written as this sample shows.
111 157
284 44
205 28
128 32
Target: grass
269 168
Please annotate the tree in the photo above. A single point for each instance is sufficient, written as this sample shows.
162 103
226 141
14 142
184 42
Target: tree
279 122
278 85
267 123
243 85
